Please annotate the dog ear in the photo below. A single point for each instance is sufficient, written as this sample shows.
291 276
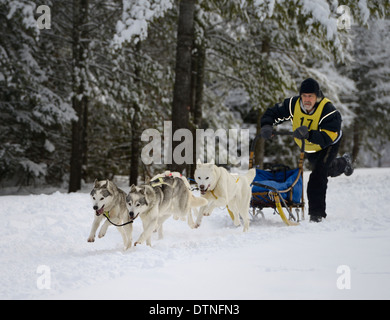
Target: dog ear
111 187
96 183
133 188
148 192
104 185
212 161
198 163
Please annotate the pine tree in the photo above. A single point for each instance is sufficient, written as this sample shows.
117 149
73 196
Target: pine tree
33 113
371 73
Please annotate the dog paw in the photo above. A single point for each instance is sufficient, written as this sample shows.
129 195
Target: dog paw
135 243
101 235
197 225
206 214
90 239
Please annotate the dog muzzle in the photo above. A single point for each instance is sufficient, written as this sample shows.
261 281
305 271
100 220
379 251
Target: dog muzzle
203 190
100 211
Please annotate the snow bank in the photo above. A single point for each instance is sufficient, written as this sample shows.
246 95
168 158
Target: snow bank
44 251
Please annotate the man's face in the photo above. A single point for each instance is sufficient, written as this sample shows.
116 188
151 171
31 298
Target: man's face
308 101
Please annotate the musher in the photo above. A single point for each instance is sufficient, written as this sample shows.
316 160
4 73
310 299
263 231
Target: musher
315 119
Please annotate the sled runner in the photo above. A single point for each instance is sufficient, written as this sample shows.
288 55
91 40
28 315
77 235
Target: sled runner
280 188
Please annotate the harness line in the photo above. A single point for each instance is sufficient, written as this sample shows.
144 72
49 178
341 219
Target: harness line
107 215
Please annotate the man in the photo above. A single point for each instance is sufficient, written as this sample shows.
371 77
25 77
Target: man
315 119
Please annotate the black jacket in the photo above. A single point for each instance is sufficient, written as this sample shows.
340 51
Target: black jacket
281 112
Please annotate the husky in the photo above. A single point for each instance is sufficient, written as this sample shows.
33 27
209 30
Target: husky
168 173
110 201
221 188
157 201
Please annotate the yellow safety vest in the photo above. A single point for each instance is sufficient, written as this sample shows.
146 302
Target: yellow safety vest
311 121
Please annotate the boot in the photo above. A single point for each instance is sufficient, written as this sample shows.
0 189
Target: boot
349 167
314 218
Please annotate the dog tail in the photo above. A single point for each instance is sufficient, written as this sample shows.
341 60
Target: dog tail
197 201
250 175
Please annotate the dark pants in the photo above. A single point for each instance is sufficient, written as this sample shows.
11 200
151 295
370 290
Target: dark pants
324 164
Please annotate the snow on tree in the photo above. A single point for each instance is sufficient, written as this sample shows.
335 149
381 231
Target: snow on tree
370 71
111 70
30 109
135 19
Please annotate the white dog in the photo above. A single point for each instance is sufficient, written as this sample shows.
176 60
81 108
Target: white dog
221 188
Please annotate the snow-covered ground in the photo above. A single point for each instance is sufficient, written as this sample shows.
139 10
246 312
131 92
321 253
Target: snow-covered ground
44 252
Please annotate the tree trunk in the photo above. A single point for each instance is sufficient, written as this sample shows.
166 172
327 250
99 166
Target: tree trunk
259 147
135 126
199 61
84 139
182 88
135 146
260 144
356 140
80 17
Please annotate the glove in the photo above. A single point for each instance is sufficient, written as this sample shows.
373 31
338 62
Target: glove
301 133
266 131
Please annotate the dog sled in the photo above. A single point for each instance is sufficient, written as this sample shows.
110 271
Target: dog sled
279 188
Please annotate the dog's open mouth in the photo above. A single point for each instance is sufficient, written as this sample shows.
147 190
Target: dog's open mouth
203 190
100 211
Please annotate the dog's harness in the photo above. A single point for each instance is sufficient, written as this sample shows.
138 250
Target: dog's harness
107 215
159 182
155 183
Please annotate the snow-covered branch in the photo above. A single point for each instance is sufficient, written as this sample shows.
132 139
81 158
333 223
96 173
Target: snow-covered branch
135 18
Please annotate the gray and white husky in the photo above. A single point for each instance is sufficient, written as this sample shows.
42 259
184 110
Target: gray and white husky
157 201
109 200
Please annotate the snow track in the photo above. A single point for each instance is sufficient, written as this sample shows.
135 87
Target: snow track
216 261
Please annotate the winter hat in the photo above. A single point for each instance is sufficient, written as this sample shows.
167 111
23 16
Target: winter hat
310 86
